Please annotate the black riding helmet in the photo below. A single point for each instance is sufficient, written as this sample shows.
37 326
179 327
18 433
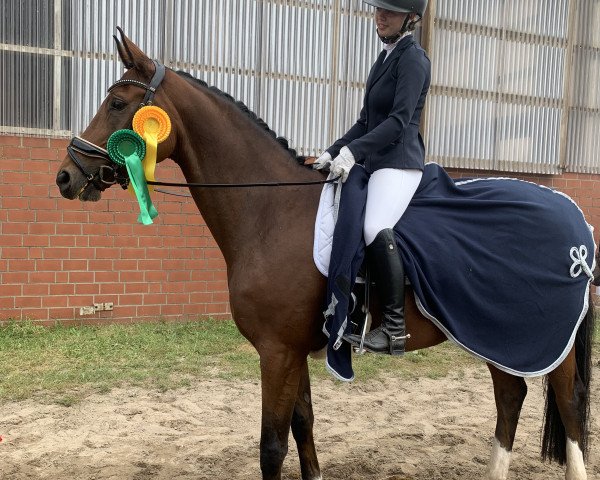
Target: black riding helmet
404 6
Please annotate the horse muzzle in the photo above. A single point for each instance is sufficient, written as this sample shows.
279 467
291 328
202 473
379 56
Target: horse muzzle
89 188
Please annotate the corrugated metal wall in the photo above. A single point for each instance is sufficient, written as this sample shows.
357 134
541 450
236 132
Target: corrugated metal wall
515 82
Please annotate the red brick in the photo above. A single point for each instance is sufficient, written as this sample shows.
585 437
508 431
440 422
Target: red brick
68 229
55 301
41 191
220 297
154 299
130 299
50 217
8 288
8 252
136 287
36 241
155 276
131 276
10 140
62 277
81 253
48 265
11 203
28 302
10 190
152 242
40 289
87 289
150 264
44 154
157 253
126 242
11 240
7 302
101 242
11 164
14 228
106 277
21 216
125 311
42 203
16 152
60 143
42 277
76 217
81 277
62 289
73 265
55 252
179 276
21 265
171 309
61 313
111 288
193 287
34 313
148 311
35 142
126 265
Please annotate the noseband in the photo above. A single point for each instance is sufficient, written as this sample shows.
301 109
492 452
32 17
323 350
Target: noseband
112 173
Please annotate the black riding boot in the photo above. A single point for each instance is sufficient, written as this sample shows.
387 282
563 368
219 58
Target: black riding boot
388 272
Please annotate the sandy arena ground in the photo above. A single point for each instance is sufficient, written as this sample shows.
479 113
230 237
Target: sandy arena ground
399 430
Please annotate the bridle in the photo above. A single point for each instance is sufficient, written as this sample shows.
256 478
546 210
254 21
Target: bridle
108 175
113 173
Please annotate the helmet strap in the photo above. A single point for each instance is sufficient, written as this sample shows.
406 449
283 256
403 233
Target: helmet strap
394 38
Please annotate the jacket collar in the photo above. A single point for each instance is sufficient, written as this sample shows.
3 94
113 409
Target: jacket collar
400 48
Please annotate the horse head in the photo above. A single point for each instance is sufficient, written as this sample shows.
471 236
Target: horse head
87 170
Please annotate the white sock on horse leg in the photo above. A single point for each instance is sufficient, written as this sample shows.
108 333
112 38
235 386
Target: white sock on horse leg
499 462
575 465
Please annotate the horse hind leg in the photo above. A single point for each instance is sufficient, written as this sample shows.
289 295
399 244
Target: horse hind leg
302 429
565 435
509 393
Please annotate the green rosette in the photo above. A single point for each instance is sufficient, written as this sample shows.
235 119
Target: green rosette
125 147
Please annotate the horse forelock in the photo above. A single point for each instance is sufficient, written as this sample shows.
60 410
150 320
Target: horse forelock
282 141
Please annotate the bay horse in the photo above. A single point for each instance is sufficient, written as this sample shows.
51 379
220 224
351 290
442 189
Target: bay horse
276 292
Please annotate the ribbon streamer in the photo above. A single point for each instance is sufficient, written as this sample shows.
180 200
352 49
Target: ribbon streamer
126 147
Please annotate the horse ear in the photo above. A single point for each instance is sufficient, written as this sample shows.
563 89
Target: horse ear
123 55
131 55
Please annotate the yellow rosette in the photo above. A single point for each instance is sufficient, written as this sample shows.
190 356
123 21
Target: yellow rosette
154 126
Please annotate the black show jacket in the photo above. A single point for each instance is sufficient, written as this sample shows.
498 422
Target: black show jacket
386 135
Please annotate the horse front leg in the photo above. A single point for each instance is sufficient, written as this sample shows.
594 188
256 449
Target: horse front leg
302 428
281 370
509 393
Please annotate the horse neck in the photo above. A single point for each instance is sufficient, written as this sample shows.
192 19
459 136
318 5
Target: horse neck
220 144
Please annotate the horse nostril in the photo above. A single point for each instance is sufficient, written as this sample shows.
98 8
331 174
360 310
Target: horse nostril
62 178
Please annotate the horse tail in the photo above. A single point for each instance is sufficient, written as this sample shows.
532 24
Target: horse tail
554 437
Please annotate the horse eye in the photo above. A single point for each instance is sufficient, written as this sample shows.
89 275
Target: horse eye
117 104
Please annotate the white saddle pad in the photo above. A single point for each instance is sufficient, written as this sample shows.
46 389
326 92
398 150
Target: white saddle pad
324 226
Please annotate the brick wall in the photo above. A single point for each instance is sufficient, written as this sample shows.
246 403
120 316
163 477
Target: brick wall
58 255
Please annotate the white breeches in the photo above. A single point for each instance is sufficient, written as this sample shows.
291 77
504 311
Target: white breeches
389 192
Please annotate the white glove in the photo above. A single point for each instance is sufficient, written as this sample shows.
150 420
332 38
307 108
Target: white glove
323 162
342 164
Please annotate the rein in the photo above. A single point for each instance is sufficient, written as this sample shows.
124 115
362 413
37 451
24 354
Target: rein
243 185
108 175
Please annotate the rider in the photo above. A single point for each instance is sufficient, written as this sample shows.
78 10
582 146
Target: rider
386 141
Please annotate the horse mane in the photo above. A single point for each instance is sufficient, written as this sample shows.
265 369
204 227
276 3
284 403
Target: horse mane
282 141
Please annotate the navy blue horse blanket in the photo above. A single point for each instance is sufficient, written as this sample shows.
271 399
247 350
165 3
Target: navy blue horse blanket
501 266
